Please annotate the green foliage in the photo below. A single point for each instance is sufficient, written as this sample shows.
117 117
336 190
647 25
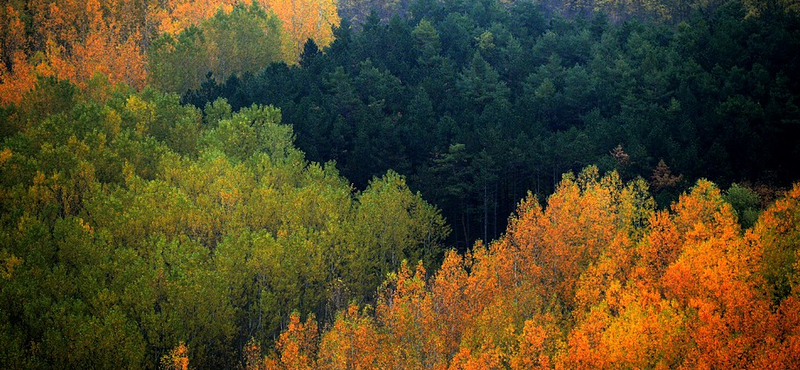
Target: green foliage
745 202
134 224
531 94
391 225
131 223
242 41
780 237
178 63
427 40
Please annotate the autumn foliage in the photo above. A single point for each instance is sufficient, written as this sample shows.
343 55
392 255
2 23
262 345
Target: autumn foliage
303 20
76 39
596 279
177 359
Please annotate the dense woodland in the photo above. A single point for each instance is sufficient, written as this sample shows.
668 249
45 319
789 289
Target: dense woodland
426 184
598 279
477 102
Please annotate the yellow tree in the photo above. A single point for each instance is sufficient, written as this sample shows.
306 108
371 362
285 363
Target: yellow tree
777 236
297 346
180 14
303 20
352 343
177 359
598 279
405 312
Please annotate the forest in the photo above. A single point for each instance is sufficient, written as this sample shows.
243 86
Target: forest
399 184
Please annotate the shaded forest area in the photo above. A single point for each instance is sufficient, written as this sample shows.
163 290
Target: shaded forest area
477 102
286 185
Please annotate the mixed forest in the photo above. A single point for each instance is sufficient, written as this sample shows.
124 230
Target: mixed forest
399 184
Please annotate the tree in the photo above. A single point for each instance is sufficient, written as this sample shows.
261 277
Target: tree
633 288
297 345
777 231
303 20
352 343
663 178
177 359
242 40
745 203
16 75
392 224
133 222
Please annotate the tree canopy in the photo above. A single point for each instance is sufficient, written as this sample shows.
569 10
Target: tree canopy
134 224
597 279
479 102
319 184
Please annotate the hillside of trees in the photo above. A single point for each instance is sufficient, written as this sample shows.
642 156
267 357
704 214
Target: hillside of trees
317 184
127 40
477 102
597 279
133 223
